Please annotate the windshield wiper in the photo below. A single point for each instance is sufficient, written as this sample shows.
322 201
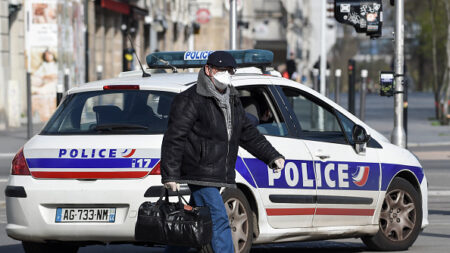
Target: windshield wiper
113 127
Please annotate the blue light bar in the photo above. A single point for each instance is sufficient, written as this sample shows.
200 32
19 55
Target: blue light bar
197 59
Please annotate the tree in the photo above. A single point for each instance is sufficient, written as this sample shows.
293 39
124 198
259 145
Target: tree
444 118
428 52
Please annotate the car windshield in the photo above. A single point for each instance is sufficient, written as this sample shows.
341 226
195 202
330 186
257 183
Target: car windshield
112 112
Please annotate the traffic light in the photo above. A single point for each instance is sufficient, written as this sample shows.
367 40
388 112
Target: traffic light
366 16
128 59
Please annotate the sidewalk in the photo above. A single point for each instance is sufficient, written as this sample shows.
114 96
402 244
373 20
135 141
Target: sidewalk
421 132
13 139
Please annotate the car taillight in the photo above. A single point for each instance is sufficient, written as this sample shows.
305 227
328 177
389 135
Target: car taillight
156 170
19 164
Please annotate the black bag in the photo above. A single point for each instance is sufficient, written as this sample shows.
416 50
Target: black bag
169 223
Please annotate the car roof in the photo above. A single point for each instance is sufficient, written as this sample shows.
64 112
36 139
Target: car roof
175 82
161 81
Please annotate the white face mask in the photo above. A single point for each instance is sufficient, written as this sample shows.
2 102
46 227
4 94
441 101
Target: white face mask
222 80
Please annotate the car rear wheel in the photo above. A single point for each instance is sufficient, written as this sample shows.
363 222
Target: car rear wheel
241 221
34 247
400 218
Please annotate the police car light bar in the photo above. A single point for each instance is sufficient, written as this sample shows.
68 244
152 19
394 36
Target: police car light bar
197 59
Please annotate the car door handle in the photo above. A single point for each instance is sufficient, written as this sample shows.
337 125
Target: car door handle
323 156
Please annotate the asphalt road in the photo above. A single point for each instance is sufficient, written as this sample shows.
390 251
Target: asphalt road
434 239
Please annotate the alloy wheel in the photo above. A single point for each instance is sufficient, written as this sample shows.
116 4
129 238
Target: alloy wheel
398 215
238 218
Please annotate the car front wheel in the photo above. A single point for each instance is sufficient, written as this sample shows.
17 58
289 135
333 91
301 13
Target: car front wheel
400 218
34 247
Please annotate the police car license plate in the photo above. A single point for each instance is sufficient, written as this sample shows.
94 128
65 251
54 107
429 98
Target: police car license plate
85 215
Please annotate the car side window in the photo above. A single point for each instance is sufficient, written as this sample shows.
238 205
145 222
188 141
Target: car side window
348 125
317 122
261 110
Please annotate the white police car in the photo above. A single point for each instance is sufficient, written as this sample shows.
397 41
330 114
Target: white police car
82 179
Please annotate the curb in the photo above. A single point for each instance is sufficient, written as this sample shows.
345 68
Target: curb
438 193
428 144
7 155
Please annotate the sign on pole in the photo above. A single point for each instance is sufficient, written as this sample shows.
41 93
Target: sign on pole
203 16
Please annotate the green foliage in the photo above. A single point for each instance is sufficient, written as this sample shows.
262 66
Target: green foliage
435 123
420 64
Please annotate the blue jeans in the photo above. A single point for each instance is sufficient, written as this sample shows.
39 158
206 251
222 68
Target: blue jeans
221 242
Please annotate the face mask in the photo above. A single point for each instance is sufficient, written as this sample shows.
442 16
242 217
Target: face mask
222 80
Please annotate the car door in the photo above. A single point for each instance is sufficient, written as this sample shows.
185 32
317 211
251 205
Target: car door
287 196
347 181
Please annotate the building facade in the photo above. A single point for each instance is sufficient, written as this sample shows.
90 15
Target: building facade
12 45
98 39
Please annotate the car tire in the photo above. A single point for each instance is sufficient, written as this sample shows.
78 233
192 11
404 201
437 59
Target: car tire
34 247
400 218
240 216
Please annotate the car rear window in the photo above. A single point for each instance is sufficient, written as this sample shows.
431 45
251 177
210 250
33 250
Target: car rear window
112 112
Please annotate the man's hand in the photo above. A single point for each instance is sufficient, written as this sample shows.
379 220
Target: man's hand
278 165
172 185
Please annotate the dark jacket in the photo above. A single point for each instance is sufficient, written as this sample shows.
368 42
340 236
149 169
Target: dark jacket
196 149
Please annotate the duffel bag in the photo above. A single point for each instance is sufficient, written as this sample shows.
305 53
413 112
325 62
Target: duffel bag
164 222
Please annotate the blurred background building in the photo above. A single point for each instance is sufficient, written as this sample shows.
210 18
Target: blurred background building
88 40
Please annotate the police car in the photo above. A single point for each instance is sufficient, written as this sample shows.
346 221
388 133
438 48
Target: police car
82 179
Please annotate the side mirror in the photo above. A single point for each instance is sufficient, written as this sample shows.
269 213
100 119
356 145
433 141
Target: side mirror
360 139
359 135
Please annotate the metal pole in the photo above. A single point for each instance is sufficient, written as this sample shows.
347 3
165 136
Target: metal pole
351 86
316 79
362 99
323 52
191 41
398 136
62 88
86 42
233 24
323 61
29 111
59 93
99 72
327 86
337 84
66 80
405 113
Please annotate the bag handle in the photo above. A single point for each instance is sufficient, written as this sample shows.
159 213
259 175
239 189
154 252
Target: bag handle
165 193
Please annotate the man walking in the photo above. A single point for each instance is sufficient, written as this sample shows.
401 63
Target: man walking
207 123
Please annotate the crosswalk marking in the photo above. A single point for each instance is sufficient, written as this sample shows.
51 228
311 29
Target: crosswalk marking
438 193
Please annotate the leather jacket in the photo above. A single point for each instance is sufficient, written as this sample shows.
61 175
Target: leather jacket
196 149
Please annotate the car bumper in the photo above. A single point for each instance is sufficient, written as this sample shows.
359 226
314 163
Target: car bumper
32 218
424 190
